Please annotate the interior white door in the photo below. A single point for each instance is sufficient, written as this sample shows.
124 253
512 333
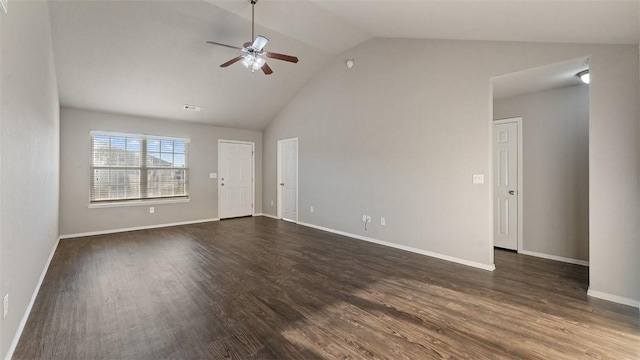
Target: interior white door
505 185
235 185
289 179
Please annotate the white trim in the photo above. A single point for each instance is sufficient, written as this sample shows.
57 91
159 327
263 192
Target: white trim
125 203
491 251
3 6
27 312
270 216
297 179
279 179
160 137
614 298
253 172
405 248
518 121
554 257
145 227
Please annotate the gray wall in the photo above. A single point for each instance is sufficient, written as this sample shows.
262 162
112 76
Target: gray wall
29 144
556 169
76 217
400 137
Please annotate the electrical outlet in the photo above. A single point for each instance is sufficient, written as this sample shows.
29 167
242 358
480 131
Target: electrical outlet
152 209
364 218
311 209
6 306
368 218
383 222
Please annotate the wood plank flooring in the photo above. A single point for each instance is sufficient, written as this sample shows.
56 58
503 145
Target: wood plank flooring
258 288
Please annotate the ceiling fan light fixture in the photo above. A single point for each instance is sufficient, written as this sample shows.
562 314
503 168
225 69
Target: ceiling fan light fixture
584 76
258 63
253 61
247 61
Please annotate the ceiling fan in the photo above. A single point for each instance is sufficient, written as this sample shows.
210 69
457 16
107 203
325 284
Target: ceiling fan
253 55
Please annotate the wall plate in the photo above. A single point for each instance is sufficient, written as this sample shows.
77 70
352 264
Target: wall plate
478 178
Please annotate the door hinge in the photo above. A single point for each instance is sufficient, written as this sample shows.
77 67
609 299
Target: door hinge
251 153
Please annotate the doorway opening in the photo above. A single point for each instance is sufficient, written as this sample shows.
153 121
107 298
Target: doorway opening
540 162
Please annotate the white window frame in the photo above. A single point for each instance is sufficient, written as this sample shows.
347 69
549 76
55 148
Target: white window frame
138 201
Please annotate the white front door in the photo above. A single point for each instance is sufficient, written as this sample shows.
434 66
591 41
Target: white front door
505 185
235 183
288 178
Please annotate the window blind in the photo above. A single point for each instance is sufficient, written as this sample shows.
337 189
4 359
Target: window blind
137 167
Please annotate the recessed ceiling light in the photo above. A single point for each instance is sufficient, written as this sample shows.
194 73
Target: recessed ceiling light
192 107
584 76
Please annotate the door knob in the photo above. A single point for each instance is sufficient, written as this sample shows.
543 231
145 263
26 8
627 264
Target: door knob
222 184
281 184
512 192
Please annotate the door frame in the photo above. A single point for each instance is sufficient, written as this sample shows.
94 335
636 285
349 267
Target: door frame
253 172
279 192
518 121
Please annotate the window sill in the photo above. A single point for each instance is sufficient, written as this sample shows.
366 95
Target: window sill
137 203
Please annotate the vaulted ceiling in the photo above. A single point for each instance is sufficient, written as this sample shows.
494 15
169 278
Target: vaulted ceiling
149 58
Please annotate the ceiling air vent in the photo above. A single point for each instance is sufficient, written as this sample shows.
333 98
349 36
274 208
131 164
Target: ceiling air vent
192 107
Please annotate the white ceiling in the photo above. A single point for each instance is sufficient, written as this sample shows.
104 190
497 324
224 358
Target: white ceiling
553 76
567 21
150 57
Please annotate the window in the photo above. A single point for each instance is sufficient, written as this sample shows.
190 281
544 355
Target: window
137 167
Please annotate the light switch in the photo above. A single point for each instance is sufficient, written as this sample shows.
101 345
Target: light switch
213 176
478 178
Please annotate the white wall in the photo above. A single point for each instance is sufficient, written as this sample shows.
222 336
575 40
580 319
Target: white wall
77 218
29 145
400 136
556 169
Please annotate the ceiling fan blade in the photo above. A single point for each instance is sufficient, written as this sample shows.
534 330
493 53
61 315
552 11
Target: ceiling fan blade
266 69
232 61
259 43
225 45
283 57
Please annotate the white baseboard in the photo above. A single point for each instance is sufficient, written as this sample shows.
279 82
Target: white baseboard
270 216
25 317
405 248
113 231
553 257
614 298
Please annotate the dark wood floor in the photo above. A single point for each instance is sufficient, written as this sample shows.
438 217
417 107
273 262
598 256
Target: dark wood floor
260 288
